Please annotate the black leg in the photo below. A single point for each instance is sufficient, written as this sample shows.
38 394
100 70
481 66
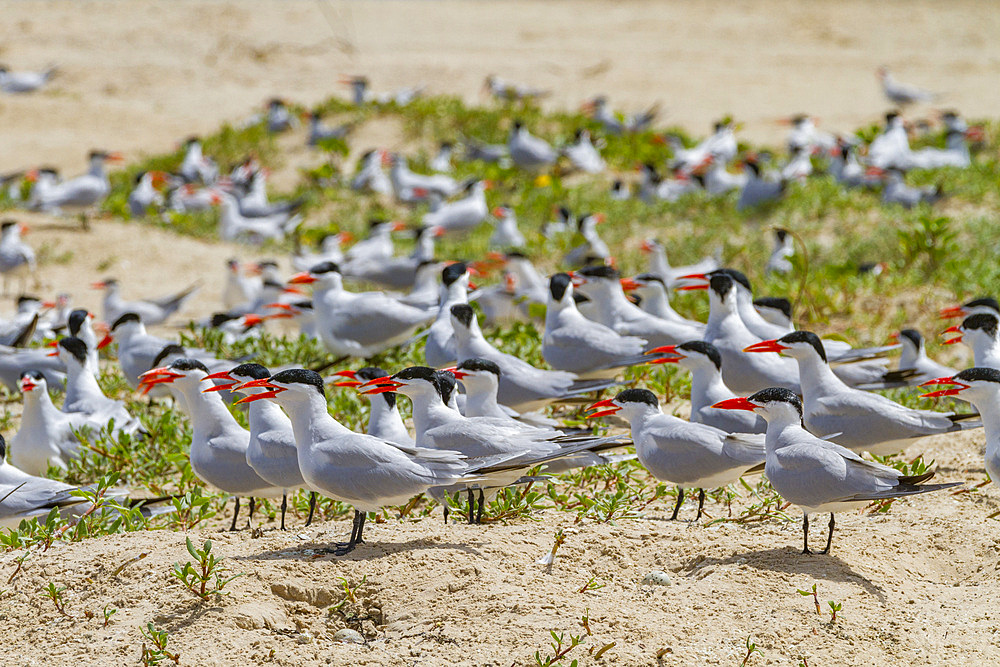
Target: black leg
284 508
445 508
680 501
829 537
312 507
472 507
701 502
359 538
250 520
236 512
355 532
482 501
805 534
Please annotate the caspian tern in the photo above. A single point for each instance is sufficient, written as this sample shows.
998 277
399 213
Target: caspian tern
816 474
513 92
370 176
319 132
46 435
614 123
983 304
583 154
505 232
219 444
441 162
758 190
914 357
523 387
688 454
411 187
234 225
902 93
17 258
979 332
777 310
195 167
358 324
439 349
81 192
671 275
956 150
145 194
592 247
573 343
461 215
784 248
896 191
891 148
981 387
84 395
528 151
152 311
384 420
855 419
24 496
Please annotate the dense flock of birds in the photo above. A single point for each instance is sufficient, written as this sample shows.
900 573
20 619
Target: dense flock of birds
765 397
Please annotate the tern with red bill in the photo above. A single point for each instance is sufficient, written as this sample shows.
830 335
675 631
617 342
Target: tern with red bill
234 225
392 272
956 150
219 444
82 192
371 176
359 469
981 387
655 299
145 194
481 379
384 420
707 386
358 324
46 435
523 387
505 234
195 167
609 306
816 474
660 266
17 258
271 452
688 454
15 361
573 343
855 419
152 311
463 214
983 304
83 393
979 332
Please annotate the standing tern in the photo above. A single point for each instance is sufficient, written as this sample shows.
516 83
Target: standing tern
271 452
358 324
83 191
46 436
439 349
505 232
355 468
461 215
195 167
816 474
145 194
528 151
784 248
370 176
573 343
688 454
218 443
855 419
583 154
981 387
84 395
17 258
523 387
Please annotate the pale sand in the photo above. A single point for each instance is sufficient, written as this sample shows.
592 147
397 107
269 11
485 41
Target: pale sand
917 587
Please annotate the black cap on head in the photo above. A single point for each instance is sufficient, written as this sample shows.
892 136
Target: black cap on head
781 234
775 302
324 267
218 319
188 364
463 313
169 350
650 278
558 284
707 349
25 298
805 337
301 376
985 321
33 374
453 272
127 317
416 373
3 449
600 271
987 301
913 336
76 347
637 396
737 276
76 320
445 383
7 224
777 394
479 364
370 373
979 374
253 371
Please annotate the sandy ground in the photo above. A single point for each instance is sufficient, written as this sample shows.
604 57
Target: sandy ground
917 586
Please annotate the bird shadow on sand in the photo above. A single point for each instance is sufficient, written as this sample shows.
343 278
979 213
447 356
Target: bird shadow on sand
792 561
310 551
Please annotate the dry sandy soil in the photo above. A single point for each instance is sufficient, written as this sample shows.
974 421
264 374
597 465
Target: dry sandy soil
917 586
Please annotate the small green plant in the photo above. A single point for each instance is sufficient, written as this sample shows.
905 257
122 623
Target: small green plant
834 608
157 652
191 509
350 594
559 649
196 578
591 585
814 594
56 595
751 649
109 611
550 557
